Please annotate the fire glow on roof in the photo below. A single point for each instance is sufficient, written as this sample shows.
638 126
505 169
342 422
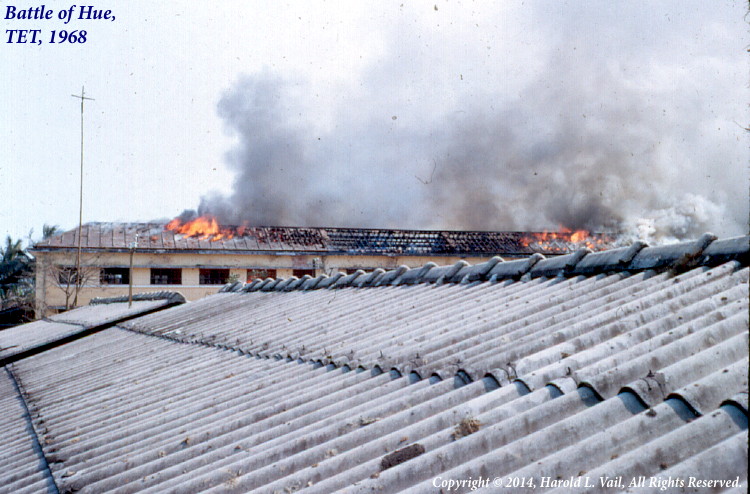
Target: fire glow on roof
210 235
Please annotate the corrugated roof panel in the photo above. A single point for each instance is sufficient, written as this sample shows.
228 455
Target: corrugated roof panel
20 339
631 374
721 462
22 465
675 446
428 330
96 315
197 418
95 392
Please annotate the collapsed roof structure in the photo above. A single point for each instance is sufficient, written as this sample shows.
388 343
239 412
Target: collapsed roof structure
619 369
156 237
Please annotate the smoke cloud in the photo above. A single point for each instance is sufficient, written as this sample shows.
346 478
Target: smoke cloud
583 143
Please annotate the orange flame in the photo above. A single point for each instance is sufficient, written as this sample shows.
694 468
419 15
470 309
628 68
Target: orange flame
203 228
565 240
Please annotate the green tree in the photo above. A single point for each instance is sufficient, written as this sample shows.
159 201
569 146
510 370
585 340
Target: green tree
16 279
17 272
15 268
49 230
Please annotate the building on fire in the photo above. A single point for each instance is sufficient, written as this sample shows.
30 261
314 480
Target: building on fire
196 259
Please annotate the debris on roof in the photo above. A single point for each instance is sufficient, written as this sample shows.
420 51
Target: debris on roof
356 241
629 363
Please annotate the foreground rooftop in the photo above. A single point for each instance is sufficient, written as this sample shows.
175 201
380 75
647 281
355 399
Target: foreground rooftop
630 362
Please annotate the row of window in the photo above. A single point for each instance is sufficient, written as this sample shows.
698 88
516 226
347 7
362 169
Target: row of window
173 276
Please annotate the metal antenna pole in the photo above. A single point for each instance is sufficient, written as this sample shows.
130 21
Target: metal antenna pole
78 277
133 246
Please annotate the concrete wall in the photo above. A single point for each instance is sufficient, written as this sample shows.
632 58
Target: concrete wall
51 294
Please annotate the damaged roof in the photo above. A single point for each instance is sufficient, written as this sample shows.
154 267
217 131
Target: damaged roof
322 241
631 362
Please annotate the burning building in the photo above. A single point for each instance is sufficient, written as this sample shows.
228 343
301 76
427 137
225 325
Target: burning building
197 257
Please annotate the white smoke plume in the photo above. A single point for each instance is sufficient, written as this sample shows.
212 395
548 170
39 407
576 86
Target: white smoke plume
689 217
592 163
590 137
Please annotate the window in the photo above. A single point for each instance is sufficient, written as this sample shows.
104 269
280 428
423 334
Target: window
166 276
67 276
114 276
260 274
299 273
213 276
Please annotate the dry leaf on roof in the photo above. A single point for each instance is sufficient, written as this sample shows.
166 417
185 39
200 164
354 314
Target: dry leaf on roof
466 427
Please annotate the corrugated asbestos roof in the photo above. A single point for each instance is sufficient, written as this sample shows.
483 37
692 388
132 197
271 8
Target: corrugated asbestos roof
623 363
17 341
24 468
154 237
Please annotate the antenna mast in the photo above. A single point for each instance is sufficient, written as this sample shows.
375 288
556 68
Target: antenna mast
78 277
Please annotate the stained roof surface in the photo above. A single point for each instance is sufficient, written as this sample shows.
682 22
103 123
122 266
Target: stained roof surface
20 340
154 237
23 466
629 363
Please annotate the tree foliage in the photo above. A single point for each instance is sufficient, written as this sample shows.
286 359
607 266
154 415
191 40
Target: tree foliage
16 269
49 230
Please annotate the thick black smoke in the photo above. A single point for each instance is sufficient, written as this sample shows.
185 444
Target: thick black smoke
516 118
584 156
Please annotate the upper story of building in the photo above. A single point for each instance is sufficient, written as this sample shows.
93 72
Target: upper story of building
197 259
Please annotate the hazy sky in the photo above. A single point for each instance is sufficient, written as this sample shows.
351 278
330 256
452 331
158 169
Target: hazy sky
487 115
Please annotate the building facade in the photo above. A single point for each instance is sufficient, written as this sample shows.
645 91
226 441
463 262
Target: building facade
198 265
